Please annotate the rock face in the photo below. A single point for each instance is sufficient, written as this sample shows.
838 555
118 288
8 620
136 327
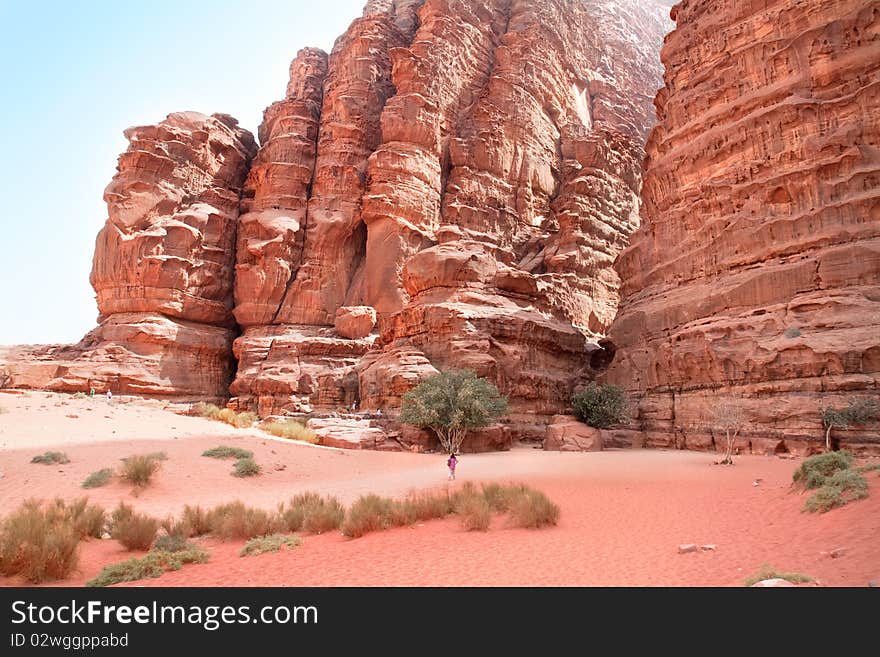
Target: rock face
467 169
755 276
163 268
447 189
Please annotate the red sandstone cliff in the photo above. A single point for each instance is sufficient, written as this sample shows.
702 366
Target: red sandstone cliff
755 276
469 170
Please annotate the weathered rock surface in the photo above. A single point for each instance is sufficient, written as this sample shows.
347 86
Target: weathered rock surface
355 321
163 268
566 433
471 173
755 276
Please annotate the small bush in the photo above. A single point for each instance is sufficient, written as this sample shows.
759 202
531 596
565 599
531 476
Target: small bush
369 513
474 512
601 406
793 332
237 420
50 458
136 531
79 395
41 543
292 430
237 521
532 509
88 519
869 468
426 506
246 467
171 542
768 572
208 411
842 487
98 478
150 566
226 452
323 516
501 497
196 520
813 472
139 469
271 543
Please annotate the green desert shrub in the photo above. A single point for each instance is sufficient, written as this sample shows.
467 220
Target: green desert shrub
150 566
869 468
236 521
98 478
271 543
813 472
39 542
601 406
136 531
226 452
769 572
292 430
842 487
50 458
139 469
171 542
246 467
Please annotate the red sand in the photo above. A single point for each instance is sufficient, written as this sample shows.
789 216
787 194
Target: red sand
623 513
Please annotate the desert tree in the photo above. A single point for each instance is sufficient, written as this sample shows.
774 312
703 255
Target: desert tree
601 406
728 417
452 403
857 411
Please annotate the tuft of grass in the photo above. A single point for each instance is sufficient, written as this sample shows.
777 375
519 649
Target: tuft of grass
88 519
139 469
39 542
152 565
842 487
292 430
813 471
768 572
236 521
79 395
172 541
208 411
426 506
196 520
136 531
532 509
325 515
246 467
98 478
868 468
369 513
474 512
237 420
271 543
226 452
50 458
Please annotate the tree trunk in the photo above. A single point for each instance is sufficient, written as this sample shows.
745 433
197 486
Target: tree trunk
828 437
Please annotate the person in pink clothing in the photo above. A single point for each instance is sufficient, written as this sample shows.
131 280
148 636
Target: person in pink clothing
451 462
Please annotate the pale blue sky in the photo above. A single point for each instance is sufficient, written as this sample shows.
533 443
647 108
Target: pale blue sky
73 75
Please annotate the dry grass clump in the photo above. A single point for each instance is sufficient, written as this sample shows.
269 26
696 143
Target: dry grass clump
292 430
207 411
136 531
139 469
533 510
196 520
237 521
51 458
370 513
237 420
246 467
40 541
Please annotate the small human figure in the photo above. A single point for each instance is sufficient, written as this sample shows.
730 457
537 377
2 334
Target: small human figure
109 396
451 462
91 392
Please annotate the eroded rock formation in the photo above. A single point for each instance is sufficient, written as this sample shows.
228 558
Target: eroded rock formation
474 172
162 269
755 276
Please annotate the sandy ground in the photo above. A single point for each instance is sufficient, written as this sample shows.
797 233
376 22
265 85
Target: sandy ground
623 512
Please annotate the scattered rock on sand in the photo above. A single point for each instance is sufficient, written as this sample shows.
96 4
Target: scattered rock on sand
776 581
707 547
687 547
839 552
